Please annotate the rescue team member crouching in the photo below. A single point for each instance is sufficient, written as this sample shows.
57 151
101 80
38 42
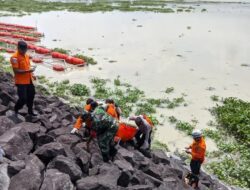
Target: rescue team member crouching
197 149
105 127
89 107
143 135
23 78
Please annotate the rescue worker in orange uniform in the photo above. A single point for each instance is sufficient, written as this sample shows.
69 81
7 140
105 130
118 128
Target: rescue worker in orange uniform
197 150
112 109
89 107
23 78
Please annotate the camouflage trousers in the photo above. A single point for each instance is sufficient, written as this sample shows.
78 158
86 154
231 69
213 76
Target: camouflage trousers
106 142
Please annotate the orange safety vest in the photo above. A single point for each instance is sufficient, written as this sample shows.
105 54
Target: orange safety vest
79 120
22 62
198 150
148 120
111 110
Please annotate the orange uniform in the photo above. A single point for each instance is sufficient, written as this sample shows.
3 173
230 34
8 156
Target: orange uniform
111 110
22 62
79 120
198 150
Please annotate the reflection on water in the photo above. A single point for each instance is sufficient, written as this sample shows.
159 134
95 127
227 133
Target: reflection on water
189 51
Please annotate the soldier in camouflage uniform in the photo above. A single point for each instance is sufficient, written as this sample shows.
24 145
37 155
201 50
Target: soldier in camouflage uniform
106 128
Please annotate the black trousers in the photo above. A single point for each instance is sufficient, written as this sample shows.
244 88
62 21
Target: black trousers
140 138
26 94
195 166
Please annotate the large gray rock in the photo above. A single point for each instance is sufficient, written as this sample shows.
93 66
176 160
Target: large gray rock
66 165
30 178
56 180
16 143
4 178
3 109
159 156
43 139
15 167
83 158
140 187
5 124
69 139
60 131
32 129
48 151
105 180
6 98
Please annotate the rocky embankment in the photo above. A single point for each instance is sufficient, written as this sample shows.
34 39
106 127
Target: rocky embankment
42 154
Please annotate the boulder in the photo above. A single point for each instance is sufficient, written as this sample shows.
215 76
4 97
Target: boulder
15 118
124 178
16 143
27 179
68 139
6 98
32 129
48 151
56 180
124 165
140 187
43 139
3 109
4 178
96 159
105 180
15 167
5 123
66 165
83 159
159 156
60 131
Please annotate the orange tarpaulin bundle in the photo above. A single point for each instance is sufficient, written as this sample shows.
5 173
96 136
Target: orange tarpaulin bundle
126 132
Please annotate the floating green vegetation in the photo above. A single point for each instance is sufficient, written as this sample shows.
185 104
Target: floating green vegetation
215 98
172 119
203 10
159 145
60 50
245 65
21 7
233 140
169 90
185 127
79 90
87 59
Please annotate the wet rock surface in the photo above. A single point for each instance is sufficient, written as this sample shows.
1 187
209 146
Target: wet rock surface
42 154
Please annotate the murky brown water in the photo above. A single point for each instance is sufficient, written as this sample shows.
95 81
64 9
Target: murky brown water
162 53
